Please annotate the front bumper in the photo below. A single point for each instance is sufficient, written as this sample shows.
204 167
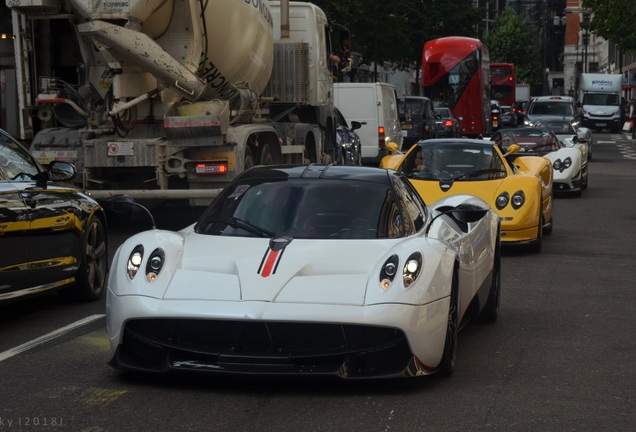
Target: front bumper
264 338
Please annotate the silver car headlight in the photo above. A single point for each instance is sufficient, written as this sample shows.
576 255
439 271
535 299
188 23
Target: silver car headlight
388 271
518 199
557 165
155 264
502 200
567 163
134 261
412 269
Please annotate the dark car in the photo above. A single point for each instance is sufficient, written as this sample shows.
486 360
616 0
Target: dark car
508 116
348 151
417 120
447 124
52 235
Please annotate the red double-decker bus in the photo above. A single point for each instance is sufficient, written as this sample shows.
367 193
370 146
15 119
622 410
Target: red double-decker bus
503 83
456 74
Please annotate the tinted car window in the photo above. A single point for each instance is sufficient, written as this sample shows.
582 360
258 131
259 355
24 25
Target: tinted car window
16 163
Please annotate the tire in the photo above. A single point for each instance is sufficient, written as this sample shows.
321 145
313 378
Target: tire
447 363
91 275
490 312
248 161
266 156
547 229
538 243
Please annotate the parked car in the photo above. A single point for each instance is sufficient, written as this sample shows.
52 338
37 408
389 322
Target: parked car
52 235
447 124
508 116
417 120
569 164
518 189
308 270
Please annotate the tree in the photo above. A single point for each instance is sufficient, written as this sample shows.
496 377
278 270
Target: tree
614 20
400 27
512 39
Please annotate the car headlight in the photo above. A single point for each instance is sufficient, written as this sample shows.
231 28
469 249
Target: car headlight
134 261
557 164
567 163
518 199
389 270
412 269
502 200
155 264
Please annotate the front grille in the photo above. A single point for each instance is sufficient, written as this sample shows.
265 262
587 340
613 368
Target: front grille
264 347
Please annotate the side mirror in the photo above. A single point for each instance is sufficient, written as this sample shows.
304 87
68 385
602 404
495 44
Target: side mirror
392 146
512 149
355 125
61 171
124 205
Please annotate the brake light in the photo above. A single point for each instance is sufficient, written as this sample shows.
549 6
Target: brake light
448 123
211 168
381 137
495 117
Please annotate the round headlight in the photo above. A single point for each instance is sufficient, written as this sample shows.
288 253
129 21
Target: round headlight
518 199
567 163
502 200
155 264
556 164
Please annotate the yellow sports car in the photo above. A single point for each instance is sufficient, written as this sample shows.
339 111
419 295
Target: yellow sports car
519 189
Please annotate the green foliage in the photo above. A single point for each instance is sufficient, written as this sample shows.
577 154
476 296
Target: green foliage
400 27
614 20
512 39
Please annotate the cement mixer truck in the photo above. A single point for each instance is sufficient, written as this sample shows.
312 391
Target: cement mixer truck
173 98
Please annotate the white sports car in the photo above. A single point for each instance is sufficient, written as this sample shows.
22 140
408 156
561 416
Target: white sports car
570 165
333 270
572 135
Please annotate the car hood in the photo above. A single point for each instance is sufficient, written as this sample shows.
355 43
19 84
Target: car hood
548 118
216 268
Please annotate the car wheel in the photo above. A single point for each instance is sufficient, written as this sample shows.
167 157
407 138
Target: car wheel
447 364
490 312
547 228
538 242
91 275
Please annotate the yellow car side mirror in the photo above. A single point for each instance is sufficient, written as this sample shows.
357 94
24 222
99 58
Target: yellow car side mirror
392 146
512 149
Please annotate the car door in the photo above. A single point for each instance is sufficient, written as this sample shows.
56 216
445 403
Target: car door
14 238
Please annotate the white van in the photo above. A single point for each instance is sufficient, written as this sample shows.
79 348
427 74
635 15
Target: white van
374 105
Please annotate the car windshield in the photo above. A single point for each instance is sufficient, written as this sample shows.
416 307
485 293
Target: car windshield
535 141
454 160
551 108
302 208
442 112
411 108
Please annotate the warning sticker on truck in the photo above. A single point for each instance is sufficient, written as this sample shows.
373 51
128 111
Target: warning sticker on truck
121 148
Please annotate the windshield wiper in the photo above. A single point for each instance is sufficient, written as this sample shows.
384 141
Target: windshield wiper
244 225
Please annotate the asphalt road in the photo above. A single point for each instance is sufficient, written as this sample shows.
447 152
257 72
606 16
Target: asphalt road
561 357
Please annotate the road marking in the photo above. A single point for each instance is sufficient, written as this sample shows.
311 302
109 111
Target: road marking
49 337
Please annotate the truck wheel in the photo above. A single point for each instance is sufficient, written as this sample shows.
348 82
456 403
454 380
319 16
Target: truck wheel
248 161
